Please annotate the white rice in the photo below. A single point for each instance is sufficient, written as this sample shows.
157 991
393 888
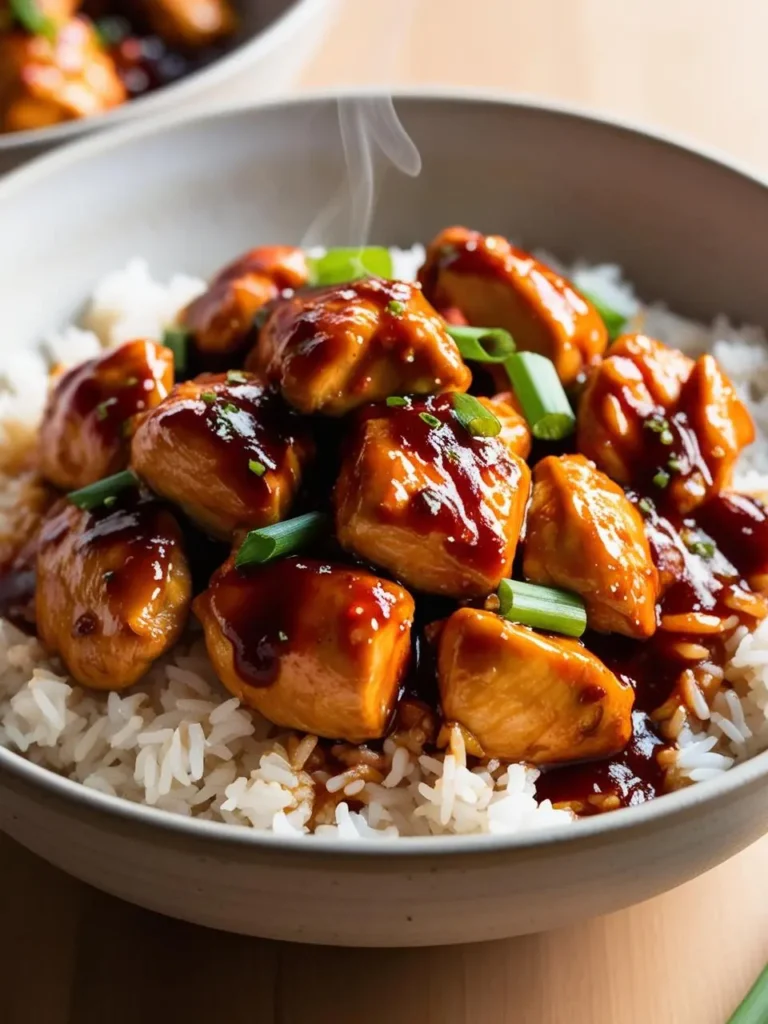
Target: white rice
178 743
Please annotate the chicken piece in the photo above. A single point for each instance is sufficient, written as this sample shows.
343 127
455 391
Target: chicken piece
584 535
221 320
113 589
652 418
86 427
515 433
191 23
316 647
225 448
718 418
440 509
496 285
343 346
529 697
46 81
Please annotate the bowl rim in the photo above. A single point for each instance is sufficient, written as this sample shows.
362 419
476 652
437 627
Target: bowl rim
243 54
626 820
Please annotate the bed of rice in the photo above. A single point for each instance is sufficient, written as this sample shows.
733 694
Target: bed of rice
178 742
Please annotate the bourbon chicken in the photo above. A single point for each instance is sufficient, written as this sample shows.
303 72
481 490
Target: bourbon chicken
336 349
87 424
225 449
493 284
61 60
113 590
398 535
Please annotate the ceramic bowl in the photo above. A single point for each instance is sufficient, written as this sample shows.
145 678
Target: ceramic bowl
275 40
189 195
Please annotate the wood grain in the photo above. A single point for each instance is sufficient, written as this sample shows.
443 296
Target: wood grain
75 956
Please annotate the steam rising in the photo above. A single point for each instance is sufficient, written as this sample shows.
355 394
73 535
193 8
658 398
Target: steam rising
373 139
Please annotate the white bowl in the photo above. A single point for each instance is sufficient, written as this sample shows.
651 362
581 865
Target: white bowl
192 194
276 39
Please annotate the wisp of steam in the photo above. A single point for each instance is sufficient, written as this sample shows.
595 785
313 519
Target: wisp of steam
374 139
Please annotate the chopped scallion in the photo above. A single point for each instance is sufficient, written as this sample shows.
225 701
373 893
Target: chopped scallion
395 307
699 544
430 420
661 479
397 402
547 608
103 492
646 506
229 407
236 377
31 18
474 416
281 539
177 340
257 467
613 320
675 464
754 1008
542 397
482 344
338 266
209 397
102 409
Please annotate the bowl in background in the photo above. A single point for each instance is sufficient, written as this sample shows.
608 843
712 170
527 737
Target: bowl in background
192 194
274 42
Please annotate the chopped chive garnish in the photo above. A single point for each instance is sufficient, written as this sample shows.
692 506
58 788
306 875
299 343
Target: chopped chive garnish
547 608
282 637
542 397
699 544
397 402
482 344
474 416
429 419
130 382
339 266
257 467
28 14
675 464
395 307
661 479
229 407
646 506
236 377
666 437
209 397
658 424
102 409
613 320
103 492
177 340
452 455
754 1008
272 542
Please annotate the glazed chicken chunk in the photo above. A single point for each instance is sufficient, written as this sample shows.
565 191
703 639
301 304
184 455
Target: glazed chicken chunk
85 432
191 23
310 646
583 534
226 449
221 320
340 347
493 284
113 590
44 81
420 496
526 696
652 418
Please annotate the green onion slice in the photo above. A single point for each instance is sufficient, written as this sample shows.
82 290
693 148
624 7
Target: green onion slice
103 492
281 539
754 1008
547 608
398 402
614 321
28 14
482 344
542 397
338 266
177 340
474 416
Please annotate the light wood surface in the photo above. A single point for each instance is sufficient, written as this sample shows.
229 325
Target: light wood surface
74 956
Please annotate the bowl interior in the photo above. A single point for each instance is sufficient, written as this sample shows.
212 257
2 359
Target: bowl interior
192 194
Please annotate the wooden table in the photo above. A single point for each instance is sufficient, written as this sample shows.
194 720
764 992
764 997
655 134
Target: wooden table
74 956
